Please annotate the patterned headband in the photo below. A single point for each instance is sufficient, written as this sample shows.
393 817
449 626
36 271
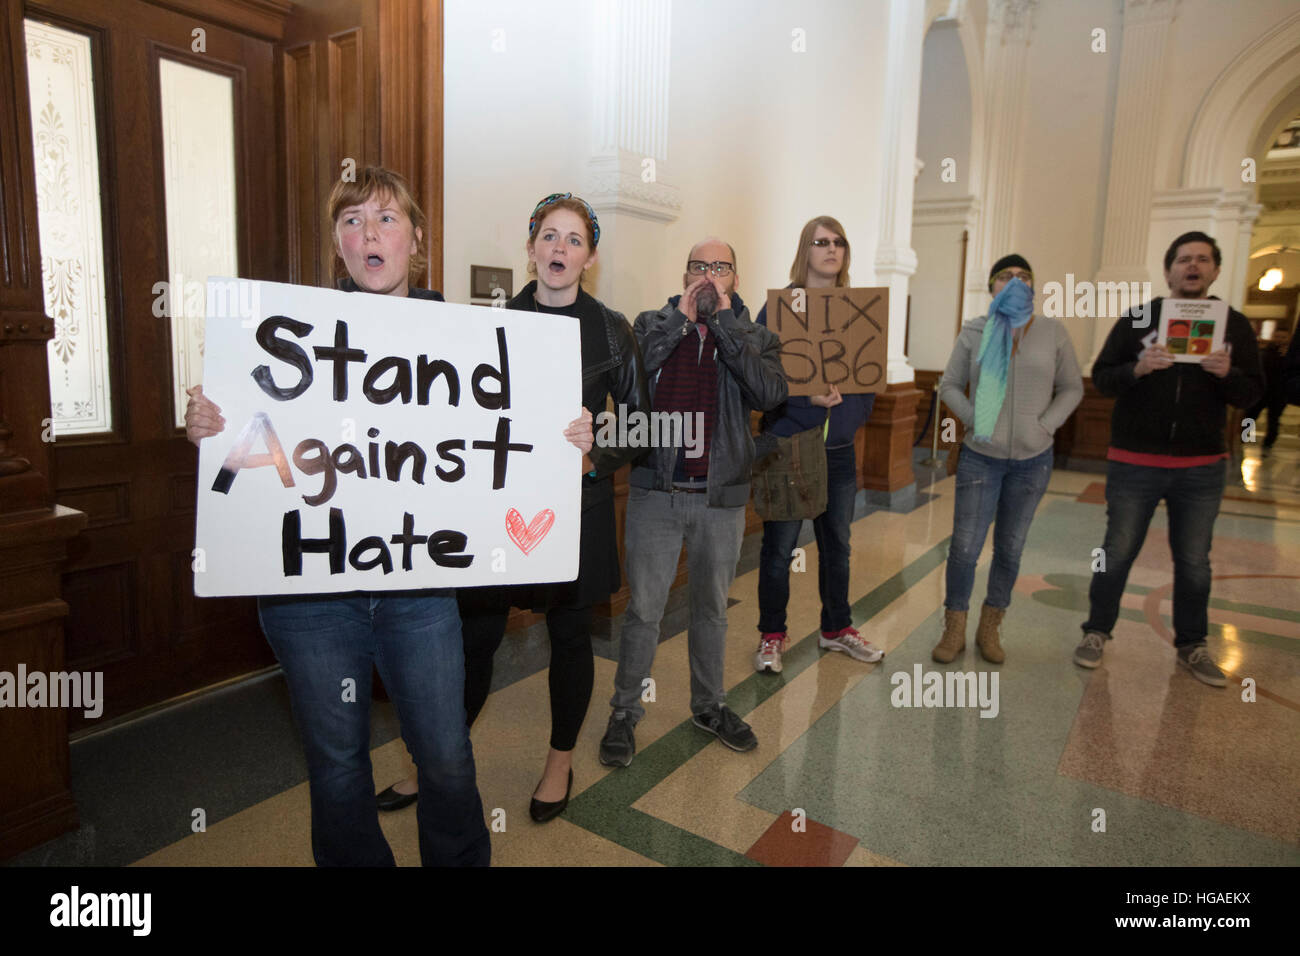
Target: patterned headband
556 197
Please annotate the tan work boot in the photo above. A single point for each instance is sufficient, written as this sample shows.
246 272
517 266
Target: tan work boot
953 641
986 635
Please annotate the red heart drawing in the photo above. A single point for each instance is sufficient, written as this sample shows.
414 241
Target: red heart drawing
531 536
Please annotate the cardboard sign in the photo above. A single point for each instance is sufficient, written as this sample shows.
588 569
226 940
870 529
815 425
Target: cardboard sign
378 443
1192 328
831 337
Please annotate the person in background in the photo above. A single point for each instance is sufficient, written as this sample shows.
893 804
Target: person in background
821 260
708 361
1167 442
563 233
1272 363
1024 383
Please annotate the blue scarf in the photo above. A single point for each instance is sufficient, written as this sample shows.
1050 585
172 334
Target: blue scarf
1012 308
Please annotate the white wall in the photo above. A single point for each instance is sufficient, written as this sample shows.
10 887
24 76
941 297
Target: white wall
945 122
761 138
943 132
1061 196
515 126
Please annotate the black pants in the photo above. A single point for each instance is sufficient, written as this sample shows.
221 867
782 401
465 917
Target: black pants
571 674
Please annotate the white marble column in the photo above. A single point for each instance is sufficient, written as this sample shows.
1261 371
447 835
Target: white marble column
1237 227
895 259
937 226
625 175
1006 59
1131 176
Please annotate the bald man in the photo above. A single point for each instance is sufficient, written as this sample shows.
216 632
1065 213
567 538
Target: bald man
710 365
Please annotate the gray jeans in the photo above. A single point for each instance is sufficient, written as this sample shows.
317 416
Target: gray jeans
658 523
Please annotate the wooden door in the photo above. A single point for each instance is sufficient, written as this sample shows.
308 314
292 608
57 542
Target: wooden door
129 581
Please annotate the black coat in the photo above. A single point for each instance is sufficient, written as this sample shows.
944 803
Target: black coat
611 368
1180 410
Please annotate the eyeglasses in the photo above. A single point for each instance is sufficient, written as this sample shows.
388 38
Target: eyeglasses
837 242
719 269
1006 275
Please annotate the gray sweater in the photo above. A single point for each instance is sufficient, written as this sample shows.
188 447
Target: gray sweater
1043 388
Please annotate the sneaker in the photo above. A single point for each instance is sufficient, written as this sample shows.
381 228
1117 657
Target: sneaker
768 655
1196 659
618 745
730 729
851 642
1088 653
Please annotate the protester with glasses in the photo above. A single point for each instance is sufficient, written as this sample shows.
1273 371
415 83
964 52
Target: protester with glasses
710 364
1024 383
821 260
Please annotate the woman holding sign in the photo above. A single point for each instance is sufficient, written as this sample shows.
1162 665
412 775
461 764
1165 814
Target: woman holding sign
1024 382
821 425
562 236
327 644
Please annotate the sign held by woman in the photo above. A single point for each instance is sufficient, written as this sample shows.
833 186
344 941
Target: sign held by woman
385 443
831 336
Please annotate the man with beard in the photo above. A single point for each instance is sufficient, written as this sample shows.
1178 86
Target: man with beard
705 359
1167 441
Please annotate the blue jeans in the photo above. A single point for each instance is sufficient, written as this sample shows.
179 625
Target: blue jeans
832 528
1192 497
987 489
414 639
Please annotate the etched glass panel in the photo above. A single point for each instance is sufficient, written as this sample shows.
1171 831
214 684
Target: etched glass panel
60 85
198 129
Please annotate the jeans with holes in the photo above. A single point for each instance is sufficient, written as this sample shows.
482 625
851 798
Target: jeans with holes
1003 492
658 524
832 528
414 640
1192 497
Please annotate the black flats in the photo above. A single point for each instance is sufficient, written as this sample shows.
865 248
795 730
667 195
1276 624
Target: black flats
390 799
541 812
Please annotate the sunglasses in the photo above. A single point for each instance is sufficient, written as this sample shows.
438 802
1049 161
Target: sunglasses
837 242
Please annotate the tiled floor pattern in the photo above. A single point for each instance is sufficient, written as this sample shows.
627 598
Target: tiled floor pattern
1183 773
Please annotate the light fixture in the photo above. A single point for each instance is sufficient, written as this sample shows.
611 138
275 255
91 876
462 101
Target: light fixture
1270 280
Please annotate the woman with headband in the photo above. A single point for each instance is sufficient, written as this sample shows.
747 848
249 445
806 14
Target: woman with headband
562 236
1024 383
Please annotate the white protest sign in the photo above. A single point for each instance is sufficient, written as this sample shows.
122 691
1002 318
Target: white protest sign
380 443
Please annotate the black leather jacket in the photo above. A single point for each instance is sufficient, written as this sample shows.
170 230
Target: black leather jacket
611 367
749 377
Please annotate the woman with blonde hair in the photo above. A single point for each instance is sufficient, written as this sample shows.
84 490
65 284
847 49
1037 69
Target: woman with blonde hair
821 260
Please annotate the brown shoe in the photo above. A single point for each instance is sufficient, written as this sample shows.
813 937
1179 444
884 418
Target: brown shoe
953 641
986 635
